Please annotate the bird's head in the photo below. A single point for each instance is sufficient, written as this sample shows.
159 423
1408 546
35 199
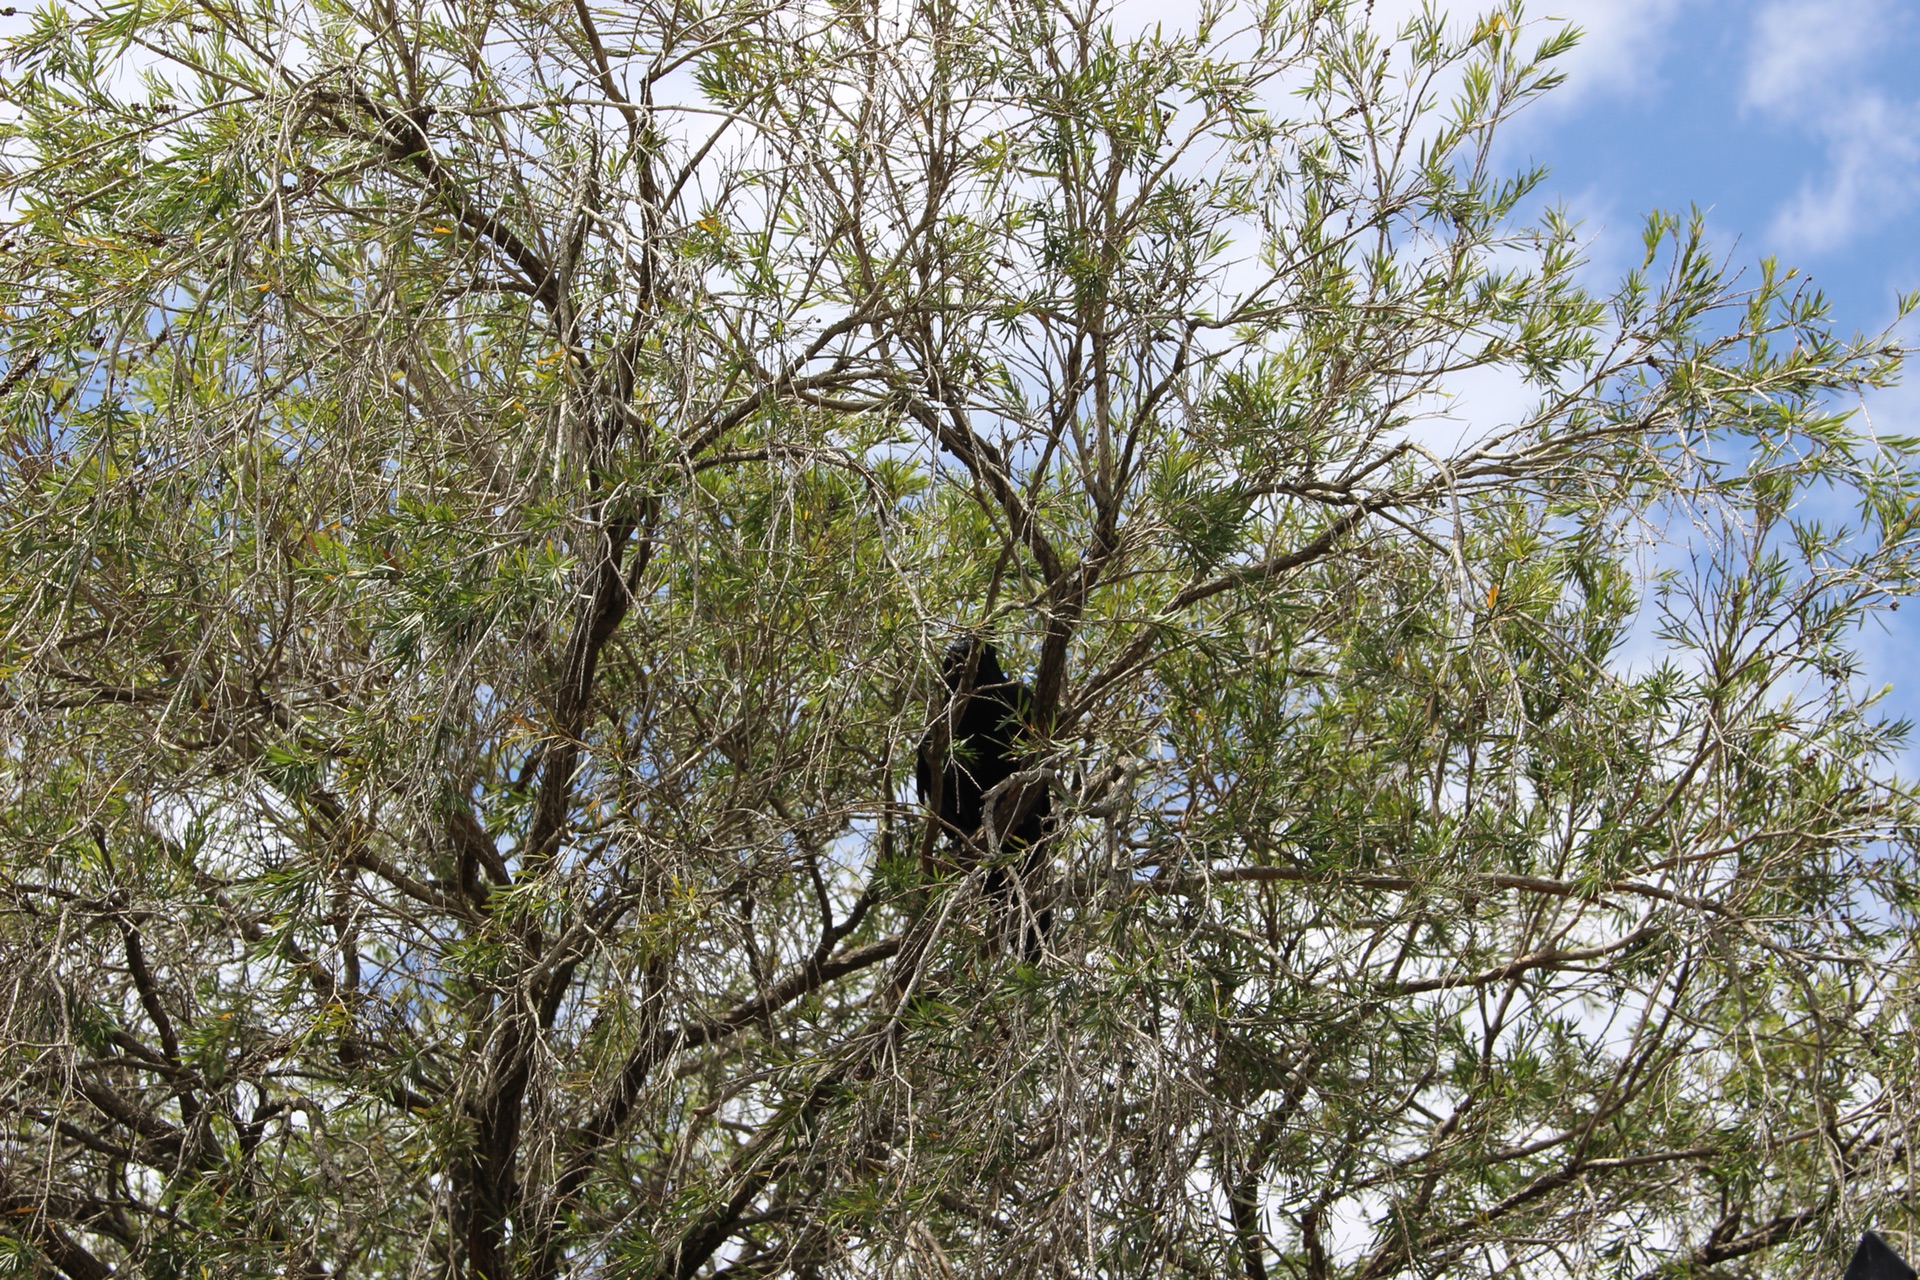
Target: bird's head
978 653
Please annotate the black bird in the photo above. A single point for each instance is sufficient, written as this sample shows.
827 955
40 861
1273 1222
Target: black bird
978 743
1876 1260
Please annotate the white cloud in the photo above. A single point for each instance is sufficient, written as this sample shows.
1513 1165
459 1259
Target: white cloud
1873 156
1139 17
1802 50
1808 68
1620 49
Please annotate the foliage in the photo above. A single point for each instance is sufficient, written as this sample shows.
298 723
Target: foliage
485 490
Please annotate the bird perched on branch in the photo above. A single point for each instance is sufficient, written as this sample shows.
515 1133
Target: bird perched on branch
967 764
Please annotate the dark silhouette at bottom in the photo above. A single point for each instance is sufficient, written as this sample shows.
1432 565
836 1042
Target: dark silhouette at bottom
1876 1260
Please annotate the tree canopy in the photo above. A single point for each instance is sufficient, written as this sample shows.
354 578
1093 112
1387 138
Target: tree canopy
485 488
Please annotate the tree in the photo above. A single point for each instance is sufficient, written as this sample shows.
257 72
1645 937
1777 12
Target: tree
487 487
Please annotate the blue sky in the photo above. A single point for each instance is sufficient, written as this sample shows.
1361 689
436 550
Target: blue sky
1795 124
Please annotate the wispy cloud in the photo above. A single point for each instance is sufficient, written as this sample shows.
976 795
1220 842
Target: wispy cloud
1620 50
1810 67
1803 50
1873 175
